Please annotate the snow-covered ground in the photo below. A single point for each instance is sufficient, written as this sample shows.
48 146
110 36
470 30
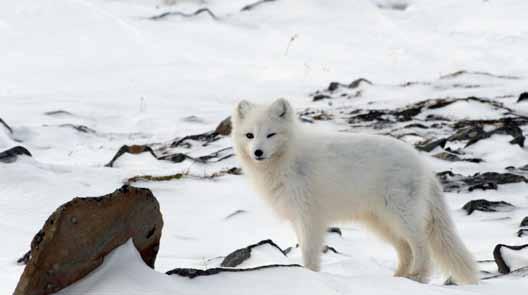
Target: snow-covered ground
135 81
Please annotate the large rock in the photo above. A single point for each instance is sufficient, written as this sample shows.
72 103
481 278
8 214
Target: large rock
79 234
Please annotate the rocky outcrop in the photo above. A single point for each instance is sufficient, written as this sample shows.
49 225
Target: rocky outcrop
76 238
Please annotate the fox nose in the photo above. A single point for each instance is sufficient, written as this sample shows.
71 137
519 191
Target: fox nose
259 153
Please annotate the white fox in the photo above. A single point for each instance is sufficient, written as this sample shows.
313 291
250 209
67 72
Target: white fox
315 179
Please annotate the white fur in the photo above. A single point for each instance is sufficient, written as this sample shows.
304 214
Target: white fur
316 179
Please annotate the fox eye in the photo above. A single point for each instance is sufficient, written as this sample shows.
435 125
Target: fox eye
250 135
271 135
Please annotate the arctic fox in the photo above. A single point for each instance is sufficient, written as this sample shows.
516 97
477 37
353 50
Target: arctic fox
315 179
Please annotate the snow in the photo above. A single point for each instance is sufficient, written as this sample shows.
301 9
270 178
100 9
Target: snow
468 110
137 81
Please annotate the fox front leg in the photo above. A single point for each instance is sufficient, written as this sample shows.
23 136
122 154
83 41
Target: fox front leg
310 234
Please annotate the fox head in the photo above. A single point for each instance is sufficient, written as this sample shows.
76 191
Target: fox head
261 133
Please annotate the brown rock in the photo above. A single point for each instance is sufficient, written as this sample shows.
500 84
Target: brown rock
224 128
132 149
79 234
137 149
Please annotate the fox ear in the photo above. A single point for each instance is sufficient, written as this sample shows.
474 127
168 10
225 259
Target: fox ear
281 108
242 108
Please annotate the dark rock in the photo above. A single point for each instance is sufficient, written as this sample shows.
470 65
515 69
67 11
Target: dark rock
523 170
487 206
450 182
322 116
333 86
400 6
356 83
486 180
452 157
371 115
181 175
191 273
523 97
495 177
224 128
234 171
204 138
503 267
237 212
213 157
193 119
185 15
484 186
428 146
325 250
306 120
473 130
470 133
254 5
80 128
459 153
522 232
335 230
408 114
289 249
477 73
315 115
63 252
331 249
519 121
434 117
58 113
319 97
11 155
524 222
216 156
238 256
137 178
3 123
176 158
416 125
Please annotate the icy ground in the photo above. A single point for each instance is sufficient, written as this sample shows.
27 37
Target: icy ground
133 80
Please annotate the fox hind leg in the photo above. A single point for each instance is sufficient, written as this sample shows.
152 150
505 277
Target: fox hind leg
388 234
